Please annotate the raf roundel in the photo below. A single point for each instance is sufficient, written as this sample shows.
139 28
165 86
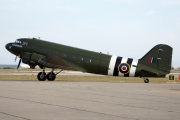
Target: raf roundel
124 68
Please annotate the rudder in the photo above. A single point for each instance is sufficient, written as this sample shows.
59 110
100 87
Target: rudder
159 57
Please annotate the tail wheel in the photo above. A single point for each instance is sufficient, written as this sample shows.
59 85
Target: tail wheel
51 76
41 76
146 80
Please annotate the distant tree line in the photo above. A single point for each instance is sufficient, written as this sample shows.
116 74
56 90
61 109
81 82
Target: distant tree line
7 68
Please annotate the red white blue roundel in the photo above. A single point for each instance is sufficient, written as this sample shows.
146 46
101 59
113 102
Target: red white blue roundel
124 68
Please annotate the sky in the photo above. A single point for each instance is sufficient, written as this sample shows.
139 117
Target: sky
127 28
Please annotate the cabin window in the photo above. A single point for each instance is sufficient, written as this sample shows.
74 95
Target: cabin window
80 58
89 60
56 53
72 57
46 51
64 55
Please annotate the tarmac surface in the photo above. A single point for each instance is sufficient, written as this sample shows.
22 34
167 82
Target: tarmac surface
34 100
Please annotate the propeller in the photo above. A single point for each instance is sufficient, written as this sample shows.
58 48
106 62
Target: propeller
19 63
20 60
15 59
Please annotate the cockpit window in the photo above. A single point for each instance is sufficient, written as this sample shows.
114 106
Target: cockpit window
18 42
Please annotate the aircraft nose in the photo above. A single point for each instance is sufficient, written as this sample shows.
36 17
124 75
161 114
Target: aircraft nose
8 46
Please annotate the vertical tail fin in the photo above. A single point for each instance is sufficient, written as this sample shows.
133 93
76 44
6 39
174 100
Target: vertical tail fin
159 57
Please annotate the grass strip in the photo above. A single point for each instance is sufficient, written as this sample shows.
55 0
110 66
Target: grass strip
73 78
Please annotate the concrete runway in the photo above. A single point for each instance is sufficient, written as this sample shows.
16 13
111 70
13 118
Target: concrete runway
34 100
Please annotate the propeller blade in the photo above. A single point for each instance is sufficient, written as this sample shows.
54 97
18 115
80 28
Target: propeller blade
20 60
15 59
19 63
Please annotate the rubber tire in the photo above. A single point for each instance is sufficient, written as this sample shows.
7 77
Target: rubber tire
146 80
51 79
39 76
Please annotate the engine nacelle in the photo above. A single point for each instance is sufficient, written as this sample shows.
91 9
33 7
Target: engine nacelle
31 59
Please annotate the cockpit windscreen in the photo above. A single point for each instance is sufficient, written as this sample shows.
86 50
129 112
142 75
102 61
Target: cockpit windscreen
18 42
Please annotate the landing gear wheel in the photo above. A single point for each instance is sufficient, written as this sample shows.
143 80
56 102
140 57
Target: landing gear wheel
41 76
146 80
51 76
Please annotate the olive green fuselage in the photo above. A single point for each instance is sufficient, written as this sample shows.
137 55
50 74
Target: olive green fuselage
78 59
156 63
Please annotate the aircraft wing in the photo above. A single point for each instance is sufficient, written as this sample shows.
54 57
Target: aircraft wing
55 62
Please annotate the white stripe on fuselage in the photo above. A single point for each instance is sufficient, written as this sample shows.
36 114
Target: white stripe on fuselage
133 69
124 60
112 65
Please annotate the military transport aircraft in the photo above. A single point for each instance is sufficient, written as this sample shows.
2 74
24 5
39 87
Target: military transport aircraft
156 63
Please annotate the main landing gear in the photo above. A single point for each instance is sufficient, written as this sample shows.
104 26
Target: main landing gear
146 80
51 76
